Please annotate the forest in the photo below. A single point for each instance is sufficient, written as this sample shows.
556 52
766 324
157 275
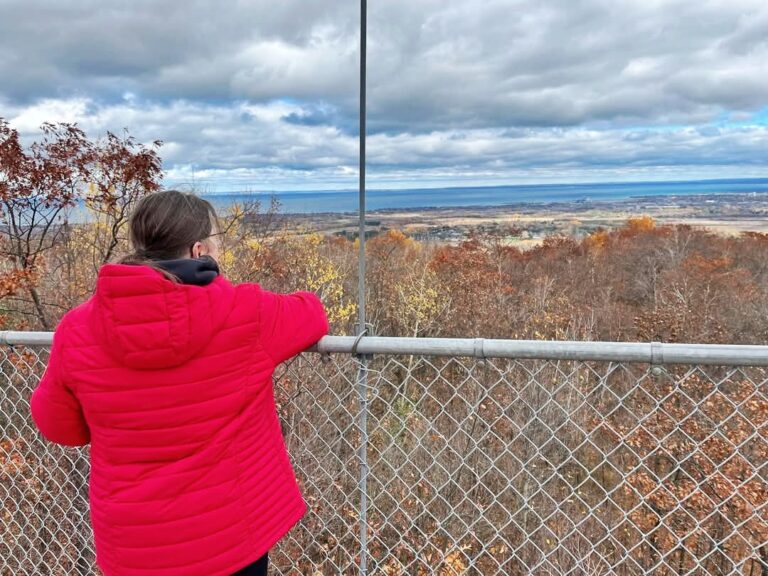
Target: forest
640 282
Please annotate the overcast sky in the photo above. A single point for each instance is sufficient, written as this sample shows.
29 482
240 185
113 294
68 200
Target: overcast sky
263 94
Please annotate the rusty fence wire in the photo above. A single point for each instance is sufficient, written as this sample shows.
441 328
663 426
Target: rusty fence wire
536 461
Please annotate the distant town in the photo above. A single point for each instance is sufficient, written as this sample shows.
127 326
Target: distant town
526 224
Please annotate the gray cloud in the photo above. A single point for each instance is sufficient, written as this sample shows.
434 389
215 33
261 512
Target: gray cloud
102 48
457 88
454 63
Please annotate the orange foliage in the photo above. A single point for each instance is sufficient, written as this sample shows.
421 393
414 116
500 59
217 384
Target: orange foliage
640 224
597 240
698 264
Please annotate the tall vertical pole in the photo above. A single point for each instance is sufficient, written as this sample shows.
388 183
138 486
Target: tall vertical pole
362 379
361 231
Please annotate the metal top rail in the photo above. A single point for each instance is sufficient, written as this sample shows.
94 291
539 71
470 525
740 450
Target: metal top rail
651 353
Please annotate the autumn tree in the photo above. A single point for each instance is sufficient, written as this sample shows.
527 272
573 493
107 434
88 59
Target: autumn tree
122 171
36 186
45 257
404 295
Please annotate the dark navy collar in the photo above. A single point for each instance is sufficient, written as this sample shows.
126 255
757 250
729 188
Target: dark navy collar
197 271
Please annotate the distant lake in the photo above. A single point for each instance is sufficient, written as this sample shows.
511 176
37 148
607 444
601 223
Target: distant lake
412 199
347 201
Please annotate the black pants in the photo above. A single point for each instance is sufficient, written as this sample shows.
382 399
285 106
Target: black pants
258 568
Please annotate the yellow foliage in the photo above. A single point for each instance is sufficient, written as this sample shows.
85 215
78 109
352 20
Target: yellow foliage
235 211
226 259
641 224
418 300
323 277
398 237
597 240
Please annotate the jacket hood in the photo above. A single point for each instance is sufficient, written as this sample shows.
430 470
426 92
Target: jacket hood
146 321
198 271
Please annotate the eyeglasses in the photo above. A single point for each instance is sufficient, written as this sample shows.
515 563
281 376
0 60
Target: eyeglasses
220 233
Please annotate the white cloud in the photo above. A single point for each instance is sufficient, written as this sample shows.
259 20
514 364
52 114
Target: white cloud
246 145
28 119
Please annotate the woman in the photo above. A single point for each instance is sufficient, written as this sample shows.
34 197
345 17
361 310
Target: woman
167 370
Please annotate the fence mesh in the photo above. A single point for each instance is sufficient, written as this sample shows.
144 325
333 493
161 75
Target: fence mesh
476 467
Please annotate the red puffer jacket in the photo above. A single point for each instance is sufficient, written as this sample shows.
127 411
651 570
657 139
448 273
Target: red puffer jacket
171 385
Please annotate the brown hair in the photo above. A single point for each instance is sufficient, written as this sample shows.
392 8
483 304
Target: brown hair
165 225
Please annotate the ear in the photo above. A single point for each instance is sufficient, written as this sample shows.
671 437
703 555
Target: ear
196 249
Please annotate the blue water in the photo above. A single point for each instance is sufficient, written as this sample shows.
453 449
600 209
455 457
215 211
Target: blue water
347 201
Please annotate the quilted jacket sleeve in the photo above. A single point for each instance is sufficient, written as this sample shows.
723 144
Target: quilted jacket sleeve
55 409
291 323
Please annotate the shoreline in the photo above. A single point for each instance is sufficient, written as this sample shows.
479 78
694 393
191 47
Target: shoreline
727 213
549 204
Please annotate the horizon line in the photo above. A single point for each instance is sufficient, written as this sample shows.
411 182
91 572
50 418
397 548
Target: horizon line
488 187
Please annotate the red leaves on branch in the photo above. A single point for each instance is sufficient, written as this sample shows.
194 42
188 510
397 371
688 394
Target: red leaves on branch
49 172
122 169
40 182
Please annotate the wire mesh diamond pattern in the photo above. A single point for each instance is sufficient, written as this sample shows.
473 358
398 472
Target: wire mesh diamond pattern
489 466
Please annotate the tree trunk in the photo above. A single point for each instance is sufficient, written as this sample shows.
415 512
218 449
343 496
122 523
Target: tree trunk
40 309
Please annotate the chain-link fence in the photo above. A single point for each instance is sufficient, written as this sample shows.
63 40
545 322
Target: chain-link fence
566 462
